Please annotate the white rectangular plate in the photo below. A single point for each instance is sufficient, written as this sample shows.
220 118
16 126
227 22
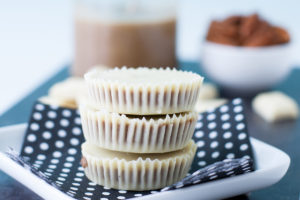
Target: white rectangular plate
271 166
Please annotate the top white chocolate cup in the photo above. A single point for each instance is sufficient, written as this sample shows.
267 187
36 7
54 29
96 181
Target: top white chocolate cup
143 91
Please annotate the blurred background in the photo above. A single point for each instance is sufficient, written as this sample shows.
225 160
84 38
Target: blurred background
36 36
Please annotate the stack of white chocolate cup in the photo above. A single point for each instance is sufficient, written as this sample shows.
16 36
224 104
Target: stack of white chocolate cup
138 124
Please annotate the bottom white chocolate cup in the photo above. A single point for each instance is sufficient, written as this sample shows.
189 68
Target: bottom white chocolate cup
55 101
129 171
152 134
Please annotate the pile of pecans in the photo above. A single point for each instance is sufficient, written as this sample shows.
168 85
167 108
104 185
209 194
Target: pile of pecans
246 31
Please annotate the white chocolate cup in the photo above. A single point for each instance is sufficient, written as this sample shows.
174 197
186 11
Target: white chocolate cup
143 91
138 172
156 134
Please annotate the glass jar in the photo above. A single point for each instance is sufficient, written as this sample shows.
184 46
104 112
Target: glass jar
131 33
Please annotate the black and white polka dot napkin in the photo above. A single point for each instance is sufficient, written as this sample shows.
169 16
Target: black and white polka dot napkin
51 148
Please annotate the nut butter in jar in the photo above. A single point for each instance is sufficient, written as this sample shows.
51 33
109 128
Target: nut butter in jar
124 32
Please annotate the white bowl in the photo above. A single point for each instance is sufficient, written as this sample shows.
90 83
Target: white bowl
246 69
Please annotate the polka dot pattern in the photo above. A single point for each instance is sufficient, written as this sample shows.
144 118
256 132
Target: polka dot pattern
52 146
222 134
220 169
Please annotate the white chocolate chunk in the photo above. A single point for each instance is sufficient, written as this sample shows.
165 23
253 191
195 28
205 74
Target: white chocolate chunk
55 101
68 90
275 106
209 104
208 91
